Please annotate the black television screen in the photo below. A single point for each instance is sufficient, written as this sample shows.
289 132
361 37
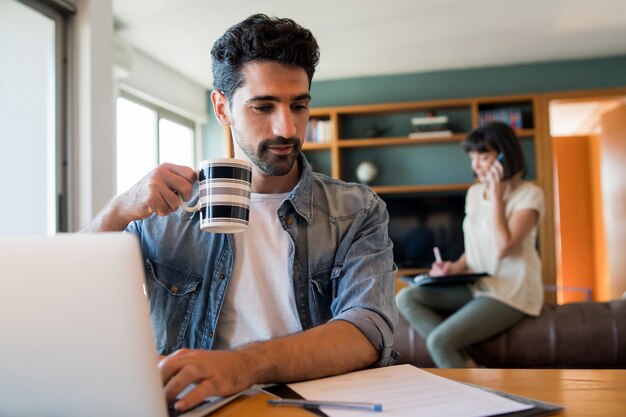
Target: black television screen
417 223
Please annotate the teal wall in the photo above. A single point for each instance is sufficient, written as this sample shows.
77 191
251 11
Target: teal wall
213 134
490 81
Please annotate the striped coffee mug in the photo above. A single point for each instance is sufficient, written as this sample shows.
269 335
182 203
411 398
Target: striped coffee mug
224 202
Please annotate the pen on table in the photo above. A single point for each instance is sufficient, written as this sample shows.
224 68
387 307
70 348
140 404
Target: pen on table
315 405
437 255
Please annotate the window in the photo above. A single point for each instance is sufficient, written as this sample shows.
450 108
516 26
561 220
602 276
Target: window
32 118
147 136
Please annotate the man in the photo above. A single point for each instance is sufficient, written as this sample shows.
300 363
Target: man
307 290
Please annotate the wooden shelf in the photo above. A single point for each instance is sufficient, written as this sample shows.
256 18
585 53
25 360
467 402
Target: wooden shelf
525 133
382 108
310 146
407 189
397 141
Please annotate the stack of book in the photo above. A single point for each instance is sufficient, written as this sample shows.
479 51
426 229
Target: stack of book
430 126
512 117
319 131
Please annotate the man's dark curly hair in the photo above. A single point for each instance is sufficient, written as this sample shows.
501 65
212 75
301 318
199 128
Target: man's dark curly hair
261 38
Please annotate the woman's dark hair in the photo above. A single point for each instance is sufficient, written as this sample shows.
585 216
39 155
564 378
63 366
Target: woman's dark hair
499 137
261 38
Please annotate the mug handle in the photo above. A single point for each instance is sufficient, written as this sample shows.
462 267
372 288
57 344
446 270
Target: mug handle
184 205
188 208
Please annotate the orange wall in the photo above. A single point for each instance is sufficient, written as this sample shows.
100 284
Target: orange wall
601 289
577 256
613 170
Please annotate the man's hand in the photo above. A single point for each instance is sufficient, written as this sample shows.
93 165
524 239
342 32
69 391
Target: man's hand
157 192
329 349
219 373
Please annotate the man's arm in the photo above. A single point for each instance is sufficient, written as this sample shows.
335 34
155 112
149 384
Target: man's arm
329 349
157 192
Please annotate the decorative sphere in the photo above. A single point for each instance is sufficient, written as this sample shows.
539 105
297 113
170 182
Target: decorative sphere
366 172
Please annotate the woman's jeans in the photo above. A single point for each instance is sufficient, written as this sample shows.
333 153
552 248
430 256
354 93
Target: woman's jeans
449 319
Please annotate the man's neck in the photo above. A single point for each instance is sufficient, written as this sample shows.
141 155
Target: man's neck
267 184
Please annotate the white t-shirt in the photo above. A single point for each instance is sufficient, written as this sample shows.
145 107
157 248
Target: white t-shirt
259 303
515 279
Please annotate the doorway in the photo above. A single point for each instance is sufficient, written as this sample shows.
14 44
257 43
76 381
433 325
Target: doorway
586 133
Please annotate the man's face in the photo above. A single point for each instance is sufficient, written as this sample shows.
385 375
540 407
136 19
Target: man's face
269 115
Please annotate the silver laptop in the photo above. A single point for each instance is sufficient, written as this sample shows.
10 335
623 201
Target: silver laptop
75 335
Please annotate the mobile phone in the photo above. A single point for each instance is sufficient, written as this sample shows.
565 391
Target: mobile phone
500 159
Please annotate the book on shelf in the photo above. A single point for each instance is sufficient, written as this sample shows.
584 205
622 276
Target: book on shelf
319 131
430 134
512 117
429 120
429 126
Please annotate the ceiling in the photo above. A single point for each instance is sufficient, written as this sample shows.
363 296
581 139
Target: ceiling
364 38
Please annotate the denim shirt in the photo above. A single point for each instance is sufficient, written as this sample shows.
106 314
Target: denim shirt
340 262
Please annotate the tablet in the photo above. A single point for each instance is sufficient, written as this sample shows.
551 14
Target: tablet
425 279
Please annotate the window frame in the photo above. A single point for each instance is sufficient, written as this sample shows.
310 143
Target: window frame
59 11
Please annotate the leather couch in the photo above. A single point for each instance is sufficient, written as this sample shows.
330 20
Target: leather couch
581 335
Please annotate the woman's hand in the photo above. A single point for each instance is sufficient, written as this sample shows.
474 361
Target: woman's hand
439 269
495 188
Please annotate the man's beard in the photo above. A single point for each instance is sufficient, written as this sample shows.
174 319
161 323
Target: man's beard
271 164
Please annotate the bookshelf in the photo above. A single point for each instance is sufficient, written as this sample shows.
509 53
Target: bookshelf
379 133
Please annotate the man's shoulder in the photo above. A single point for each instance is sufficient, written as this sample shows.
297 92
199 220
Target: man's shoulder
334 192
324 181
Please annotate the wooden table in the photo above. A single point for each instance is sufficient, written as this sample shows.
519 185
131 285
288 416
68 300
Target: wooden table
585 393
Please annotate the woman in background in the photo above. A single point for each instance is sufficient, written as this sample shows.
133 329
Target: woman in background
502 212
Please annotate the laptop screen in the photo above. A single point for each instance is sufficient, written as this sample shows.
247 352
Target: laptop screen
76 335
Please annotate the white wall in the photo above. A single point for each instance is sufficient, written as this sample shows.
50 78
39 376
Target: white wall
92 167
163 86
142 76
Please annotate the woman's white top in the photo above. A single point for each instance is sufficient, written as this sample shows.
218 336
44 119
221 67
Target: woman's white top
516 279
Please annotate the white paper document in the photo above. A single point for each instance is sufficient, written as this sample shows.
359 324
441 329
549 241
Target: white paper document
405 390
